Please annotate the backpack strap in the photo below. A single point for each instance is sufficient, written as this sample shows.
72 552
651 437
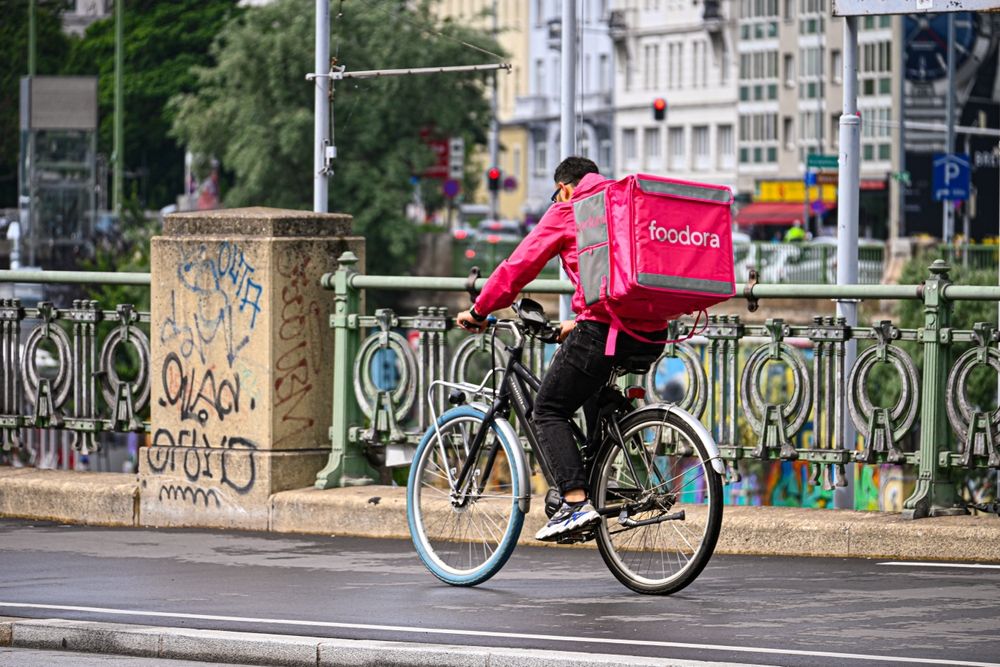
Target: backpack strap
617 325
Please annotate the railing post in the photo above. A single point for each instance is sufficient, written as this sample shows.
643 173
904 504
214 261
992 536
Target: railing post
935 493
346 466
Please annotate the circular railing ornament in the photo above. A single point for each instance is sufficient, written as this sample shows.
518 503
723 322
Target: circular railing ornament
404 393
29 368
902 414
467 350
960 410
139 388
696 393
796 410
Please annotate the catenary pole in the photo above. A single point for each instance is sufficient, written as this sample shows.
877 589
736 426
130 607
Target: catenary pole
494 121
321 129
567 117
847 225
948 208
118 149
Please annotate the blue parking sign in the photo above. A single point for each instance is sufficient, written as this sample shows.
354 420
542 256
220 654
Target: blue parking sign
951 176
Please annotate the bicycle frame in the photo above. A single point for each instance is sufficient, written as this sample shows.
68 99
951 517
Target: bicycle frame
514 393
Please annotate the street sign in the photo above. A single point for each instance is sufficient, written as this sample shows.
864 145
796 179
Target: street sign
817 161
810 177
828 178
509 184
877 7
456 157
450 188
951 176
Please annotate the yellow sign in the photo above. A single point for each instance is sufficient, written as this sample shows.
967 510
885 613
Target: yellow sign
794 192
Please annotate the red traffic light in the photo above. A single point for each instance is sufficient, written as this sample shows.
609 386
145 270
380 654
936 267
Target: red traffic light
659 108
493 179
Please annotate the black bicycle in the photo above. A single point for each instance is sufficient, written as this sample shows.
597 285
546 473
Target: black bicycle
655 477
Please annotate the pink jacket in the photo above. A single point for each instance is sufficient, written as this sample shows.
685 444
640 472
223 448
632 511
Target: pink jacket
554 235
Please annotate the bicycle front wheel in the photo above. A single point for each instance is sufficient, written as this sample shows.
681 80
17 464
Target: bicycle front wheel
663 502
464 535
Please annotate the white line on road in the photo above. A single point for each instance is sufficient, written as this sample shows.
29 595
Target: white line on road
923 564
507 635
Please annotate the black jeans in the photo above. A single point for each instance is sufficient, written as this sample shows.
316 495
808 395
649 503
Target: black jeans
578 372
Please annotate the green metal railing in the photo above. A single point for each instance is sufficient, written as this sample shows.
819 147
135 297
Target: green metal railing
377 423
82 395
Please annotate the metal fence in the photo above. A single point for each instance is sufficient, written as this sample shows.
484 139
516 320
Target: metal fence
801 263
71 374
932 427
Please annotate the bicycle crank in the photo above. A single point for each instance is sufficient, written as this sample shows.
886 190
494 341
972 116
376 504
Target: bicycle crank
628 522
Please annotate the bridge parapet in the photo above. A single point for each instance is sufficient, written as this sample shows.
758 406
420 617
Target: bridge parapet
777 391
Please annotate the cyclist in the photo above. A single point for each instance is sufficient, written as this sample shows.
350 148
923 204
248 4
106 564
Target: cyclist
581 368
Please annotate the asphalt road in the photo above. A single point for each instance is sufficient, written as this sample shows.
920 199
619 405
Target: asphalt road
772 611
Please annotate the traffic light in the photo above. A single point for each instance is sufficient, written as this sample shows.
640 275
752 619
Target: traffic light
493 178
659 108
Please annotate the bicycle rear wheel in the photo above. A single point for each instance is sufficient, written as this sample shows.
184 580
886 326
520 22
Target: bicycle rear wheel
464 535
665 501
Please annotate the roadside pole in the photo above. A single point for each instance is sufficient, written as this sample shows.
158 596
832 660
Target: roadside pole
321 128
948 208
495 123
848 189
567 119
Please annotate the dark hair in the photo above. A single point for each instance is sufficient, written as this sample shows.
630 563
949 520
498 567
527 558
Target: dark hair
572 169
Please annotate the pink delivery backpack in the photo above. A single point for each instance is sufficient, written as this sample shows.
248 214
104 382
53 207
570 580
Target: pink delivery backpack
652 249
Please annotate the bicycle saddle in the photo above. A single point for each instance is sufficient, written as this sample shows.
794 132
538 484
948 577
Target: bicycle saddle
637 364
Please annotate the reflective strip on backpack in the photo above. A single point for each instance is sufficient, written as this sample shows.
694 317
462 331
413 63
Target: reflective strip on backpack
687 284
721 195
591 221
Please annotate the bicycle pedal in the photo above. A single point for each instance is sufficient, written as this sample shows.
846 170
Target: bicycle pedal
578 538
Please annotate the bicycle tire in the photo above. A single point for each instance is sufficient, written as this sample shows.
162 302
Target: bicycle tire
681 547
451 551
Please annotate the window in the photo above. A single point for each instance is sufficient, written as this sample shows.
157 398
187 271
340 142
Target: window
759 136
836 66
651 66
541 158
677 149
651 146
789 70
789 10
539 77
605 156
724 146
629 153
700 148
788 133
602 72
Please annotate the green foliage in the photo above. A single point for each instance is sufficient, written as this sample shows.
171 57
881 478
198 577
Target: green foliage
164 42
126 252
982 386
52 47
254 111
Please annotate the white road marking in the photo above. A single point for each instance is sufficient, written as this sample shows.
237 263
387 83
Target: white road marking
883 659
927 564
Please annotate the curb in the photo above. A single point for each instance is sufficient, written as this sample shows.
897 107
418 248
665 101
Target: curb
247 648
112 499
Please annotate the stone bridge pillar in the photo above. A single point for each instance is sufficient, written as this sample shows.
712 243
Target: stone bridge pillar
241 348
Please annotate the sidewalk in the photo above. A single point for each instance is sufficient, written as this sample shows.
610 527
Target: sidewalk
112 499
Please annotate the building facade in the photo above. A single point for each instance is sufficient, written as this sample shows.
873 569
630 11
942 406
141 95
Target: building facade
682 52
790 102
538 109
513 27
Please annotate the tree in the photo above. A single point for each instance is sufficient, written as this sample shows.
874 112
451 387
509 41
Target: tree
254 111
164 42
52 47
